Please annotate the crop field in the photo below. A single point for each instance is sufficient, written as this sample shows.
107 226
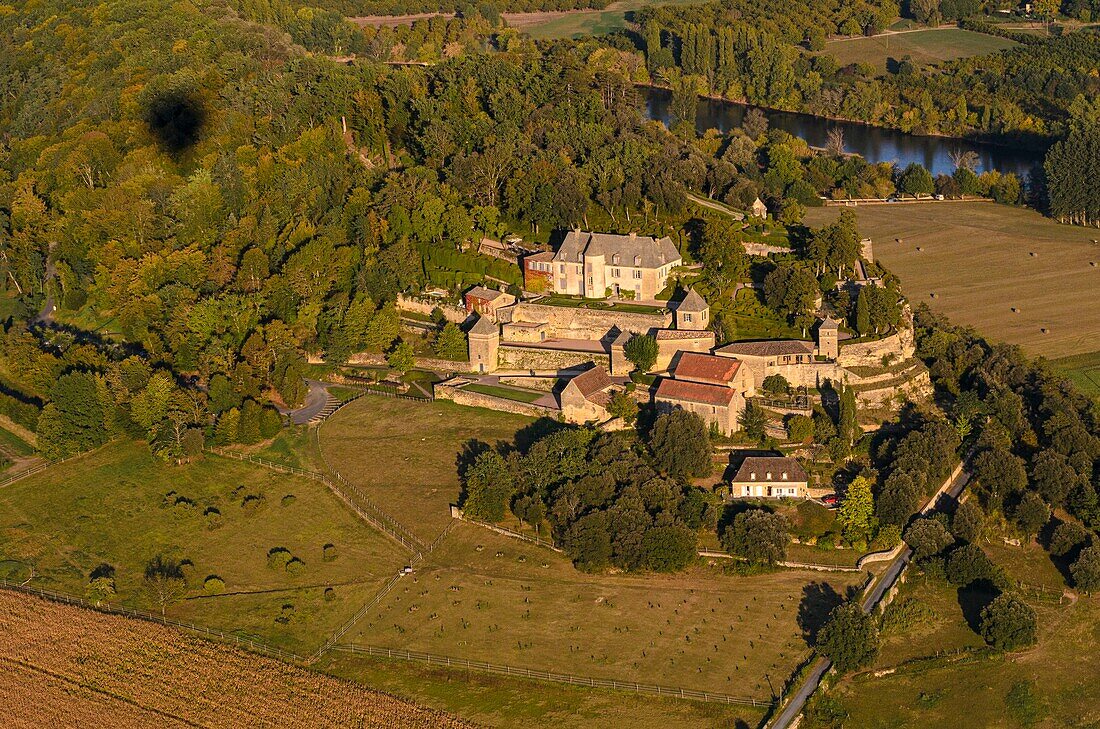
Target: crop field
404 454
925 46
120 506
484 597
1008 272
1052 684
65 666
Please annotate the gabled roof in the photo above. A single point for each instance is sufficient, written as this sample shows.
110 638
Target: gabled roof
540 256
592 385
682 390
693 302
707 367
484 326
480 292
768 348
653 253
761 466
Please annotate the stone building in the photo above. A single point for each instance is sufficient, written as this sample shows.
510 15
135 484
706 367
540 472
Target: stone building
769 477
538 272
586 396
714 388
828 338
780 356
759 209
486 302
483 342
598 264
693 312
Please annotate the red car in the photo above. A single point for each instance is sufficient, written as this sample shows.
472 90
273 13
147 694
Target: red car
830 500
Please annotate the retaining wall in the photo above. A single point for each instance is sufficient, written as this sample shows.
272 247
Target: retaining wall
526 358
459 396
425 305
566 322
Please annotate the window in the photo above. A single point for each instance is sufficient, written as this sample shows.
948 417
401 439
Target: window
615 272
637 274
562 284
687 317
769 475
752 476
784 475
637 260
562 268
615 259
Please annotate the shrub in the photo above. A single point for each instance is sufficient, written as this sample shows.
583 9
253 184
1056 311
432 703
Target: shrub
278 557
213 585
251 503
329 552
288 500
775 385
901 615
758 536
1008 623
330 594
213 517
286 614
295 566
800 428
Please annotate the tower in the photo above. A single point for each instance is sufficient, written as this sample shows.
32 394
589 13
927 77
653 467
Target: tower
484 344
828 338
693 312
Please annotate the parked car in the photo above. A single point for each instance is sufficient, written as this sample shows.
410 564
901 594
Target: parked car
939 197
831 500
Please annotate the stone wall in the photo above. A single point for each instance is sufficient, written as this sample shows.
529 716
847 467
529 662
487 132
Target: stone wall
425 305
542 360
445 391
567 322
375 359
870 354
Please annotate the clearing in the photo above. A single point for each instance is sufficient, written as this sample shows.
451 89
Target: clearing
926 46
65 666
121 506
939 669
485 597
404 454
1009 272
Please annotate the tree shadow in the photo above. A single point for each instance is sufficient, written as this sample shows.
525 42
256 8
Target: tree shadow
469 452
530 434
974 598
818 600
176 119
735 507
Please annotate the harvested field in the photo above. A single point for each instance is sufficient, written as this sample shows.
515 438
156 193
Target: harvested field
1009 272
923 46
65 666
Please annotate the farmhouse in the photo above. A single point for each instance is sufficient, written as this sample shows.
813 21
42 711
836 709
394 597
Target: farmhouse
769 477
596 265
586 396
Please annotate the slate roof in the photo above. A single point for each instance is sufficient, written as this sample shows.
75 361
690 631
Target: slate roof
769 348
696 366
830 323
761 466
693 302
653 253
540 256
480 292
484 326
683 390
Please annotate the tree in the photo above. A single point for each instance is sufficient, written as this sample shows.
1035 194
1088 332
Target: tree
488 487
856 514
1000 474
1009 623
668 548
849 639
74 419
164 582
622 405
680 444
1068 537
1031 514
968 564
800 428
848 425
641 350
1052 476
757 535
791 291
927 537
401 357
451 343
753 420
916 180
968 521
775 385
1086 570
1069 165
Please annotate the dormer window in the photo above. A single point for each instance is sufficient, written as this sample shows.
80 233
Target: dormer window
769 475
752 476
615 259
637 260
784 475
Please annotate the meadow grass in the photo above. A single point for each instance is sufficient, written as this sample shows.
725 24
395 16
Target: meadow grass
485 597
404 454
977 260
575 24
1083 370
114 506
928 46
508 393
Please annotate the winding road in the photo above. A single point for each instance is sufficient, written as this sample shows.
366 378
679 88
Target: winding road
799 698
316 399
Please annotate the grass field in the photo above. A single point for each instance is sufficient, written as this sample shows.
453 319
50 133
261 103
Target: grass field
574 24
64 666
926 46
508 393
1083 370
110 506
404 454
977 258
500 701
485 597
1050 685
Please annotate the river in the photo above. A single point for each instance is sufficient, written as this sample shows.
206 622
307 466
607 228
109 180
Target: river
874 144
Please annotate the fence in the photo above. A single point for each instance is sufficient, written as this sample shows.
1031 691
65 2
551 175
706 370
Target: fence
643 688
248 643
379 519
36 468
513 534
792 565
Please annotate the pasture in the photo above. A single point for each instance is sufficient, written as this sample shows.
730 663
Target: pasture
485 597
65 666
926 46
120 506
577 23
1009 272
1050 684
404 454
